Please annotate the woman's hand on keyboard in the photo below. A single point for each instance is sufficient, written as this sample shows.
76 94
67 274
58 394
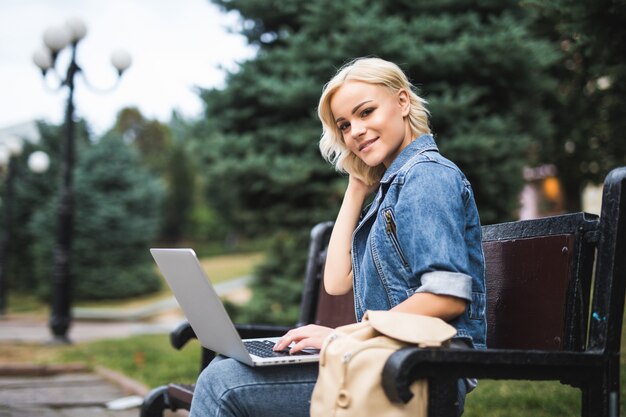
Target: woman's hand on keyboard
310 336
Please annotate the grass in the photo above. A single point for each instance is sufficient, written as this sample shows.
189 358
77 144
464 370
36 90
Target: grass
149 359
522 399
226 267
21 303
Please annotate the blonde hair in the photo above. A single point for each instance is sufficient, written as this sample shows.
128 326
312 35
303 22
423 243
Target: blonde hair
373 71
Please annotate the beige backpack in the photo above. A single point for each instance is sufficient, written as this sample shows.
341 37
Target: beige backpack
352 360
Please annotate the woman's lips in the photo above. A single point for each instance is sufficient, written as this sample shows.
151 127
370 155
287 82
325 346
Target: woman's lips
363 146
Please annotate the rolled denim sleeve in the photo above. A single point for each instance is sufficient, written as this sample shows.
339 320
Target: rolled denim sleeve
447 283
431 212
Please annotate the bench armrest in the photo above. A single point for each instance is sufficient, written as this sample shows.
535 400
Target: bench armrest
410 364
181 335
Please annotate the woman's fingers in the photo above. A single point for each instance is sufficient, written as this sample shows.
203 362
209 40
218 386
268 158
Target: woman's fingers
310 342
303 337
285 341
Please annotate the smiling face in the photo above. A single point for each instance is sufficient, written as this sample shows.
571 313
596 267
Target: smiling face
372 121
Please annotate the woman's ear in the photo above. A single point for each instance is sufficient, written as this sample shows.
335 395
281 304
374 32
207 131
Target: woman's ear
404 101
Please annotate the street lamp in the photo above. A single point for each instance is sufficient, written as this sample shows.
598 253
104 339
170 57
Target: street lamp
56 39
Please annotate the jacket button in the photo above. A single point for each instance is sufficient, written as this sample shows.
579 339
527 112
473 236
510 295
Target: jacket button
343 399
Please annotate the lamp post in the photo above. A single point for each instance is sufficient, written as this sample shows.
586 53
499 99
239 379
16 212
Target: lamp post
38 162
56 39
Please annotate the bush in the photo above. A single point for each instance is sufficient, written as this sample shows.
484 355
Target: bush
117 206
277 288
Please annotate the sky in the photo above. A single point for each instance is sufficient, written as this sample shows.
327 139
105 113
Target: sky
175 46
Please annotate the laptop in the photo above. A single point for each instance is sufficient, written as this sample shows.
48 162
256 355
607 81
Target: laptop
208 317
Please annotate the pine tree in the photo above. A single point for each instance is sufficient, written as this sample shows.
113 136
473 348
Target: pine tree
34 193
117 206
476 62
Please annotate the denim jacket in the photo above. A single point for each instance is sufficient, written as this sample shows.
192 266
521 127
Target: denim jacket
421 234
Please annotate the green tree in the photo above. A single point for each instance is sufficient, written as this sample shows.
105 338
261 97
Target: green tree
152 138
476 62
588 112
180 176
33 194
204 223
117 207
165 152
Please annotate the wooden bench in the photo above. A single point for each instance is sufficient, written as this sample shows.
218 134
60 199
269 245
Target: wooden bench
549 316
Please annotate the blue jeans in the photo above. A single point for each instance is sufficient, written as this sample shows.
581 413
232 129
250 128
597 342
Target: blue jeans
227 388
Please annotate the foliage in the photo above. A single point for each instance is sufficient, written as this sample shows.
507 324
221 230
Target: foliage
280 302
588 110
33 193
180 178
463 54
476 62
116 213
170 153
151 138
116 218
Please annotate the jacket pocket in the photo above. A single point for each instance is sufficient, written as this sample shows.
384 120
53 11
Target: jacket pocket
390 228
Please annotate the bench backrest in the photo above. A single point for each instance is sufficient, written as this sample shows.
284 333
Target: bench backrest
539 278
318 306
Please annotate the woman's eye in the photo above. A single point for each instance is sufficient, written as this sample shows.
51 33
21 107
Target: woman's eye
366 112
343 126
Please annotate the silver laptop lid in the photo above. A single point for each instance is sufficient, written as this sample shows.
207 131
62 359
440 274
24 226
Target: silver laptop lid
200 303
206 313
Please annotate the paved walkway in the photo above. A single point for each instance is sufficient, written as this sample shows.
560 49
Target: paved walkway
106 323
66 393
28 390
34 329
72 390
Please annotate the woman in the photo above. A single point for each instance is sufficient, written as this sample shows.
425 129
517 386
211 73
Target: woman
417 247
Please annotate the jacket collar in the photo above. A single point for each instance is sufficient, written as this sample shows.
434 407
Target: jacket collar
421 144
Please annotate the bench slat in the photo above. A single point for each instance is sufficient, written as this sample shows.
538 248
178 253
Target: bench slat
527 282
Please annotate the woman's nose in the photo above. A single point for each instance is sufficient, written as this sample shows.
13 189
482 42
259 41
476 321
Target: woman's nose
358 129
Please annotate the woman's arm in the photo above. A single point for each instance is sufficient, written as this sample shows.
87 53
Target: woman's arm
446 307
338 268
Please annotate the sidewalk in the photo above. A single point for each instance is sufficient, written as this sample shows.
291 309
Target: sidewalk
68 392
72 390
107 323
34 330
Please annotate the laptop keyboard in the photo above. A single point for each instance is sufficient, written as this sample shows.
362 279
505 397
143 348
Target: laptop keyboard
263 348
